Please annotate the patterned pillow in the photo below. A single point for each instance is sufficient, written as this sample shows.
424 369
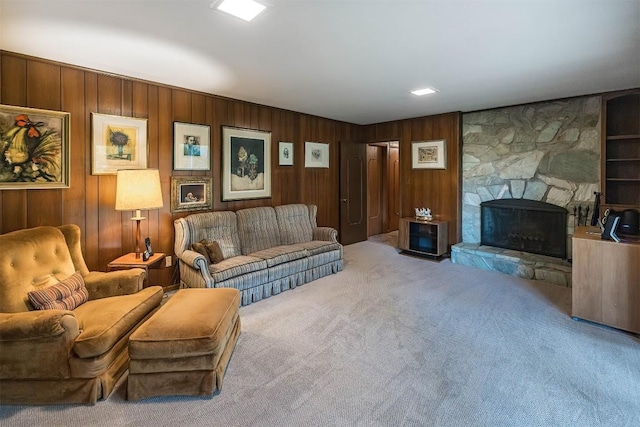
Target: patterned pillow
66 295
227 247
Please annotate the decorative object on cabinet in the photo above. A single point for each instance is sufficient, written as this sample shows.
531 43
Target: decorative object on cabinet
246 164
117 143
191 147
621 149
423 214
191 193
34 147
136 190
429 154
285 153
316 155
421 237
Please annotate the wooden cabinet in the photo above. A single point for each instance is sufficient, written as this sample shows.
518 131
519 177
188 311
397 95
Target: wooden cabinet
606 280
621 149
423 237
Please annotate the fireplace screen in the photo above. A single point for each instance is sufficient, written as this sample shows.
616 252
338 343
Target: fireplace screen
524 225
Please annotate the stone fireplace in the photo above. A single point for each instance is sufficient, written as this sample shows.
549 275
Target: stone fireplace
545 152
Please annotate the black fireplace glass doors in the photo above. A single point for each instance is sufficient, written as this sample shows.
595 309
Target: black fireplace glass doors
524 225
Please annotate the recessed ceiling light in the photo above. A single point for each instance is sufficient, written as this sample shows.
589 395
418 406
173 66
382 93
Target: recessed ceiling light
243 9
425 91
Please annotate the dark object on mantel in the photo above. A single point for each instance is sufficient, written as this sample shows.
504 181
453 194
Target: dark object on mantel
596 209
629 222
524 225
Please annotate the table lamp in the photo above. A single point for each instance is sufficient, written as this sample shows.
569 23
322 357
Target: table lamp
138 189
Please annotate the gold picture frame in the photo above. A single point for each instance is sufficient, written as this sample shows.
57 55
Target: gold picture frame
191 193
34 148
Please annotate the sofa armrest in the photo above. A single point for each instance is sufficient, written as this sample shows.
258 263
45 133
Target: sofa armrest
114 283
194 270
329 234
37 344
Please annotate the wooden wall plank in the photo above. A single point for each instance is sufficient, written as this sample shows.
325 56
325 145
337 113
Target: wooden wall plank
13 91
43 91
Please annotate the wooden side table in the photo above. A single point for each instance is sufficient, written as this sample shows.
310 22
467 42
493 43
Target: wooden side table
129 260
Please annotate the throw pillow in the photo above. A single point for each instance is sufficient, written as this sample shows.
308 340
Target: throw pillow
202 250
65 295
214 251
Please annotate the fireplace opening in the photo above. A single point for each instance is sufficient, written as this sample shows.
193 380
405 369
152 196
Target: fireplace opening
524 225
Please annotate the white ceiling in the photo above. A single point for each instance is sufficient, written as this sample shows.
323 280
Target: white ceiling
350 60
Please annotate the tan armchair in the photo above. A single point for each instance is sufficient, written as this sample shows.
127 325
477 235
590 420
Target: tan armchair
64 356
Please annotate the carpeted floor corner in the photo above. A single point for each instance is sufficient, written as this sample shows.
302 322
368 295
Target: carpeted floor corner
396 340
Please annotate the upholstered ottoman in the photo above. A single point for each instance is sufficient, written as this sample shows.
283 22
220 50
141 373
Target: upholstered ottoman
184 348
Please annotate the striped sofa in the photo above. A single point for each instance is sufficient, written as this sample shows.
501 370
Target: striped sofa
266 250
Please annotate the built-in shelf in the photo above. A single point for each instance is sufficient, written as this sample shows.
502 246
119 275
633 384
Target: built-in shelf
621 149
619 137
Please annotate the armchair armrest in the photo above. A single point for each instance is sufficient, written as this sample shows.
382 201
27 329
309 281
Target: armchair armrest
37 344
194 270
114 283
325 233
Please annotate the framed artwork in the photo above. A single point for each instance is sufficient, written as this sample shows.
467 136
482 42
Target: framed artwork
191 193
34 148
246 164
429 154
316 155
285 154
117 143
191 147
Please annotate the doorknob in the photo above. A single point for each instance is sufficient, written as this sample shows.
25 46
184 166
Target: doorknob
343 200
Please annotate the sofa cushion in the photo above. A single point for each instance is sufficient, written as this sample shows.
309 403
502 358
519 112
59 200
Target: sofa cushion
104 321
65 295
228 247
281 254
258 229
294 223
215 251
236 266
202 250
315 247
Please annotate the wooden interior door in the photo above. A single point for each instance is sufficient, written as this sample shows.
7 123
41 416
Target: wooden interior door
375 189
353 193
393 179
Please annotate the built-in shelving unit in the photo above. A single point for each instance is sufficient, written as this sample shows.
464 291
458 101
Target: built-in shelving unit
621 149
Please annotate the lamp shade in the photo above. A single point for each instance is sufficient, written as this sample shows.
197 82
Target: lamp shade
138 189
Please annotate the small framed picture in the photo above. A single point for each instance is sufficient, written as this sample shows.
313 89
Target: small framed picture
429 154
285 154
191 193
191 147
117 143
316 155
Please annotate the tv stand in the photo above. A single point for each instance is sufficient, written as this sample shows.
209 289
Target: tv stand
423 237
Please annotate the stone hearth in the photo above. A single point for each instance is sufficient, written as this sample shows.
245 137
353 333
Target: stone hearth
515 263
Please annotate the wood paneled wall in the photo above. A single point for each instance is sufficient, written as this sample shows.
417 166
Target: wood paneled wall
90 200
439 190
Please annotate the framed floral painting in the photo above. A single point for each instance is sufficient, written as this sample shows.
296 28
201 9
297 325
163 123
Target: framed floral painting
117 143
34 148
